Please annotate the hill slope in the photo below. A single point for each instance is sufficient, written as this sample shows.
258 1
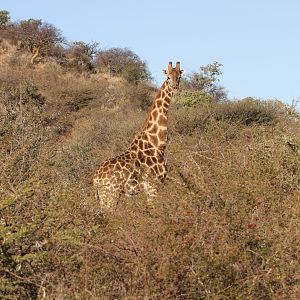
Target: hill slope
225 224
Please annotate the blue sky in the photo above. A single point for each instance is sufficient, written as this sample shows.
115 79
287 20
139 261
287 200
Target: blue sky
257 41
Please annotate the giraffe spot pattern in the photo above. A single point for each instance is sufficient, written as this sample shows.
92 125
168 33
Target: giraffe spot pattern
162 121
159 103
153 129
154 115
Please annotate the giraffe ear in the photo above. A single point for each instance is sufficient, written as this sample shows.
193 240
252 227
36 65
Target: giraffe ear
165 72
182 72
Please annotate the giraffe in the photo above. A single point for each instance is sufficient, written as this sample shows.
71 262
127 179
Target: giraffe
142 166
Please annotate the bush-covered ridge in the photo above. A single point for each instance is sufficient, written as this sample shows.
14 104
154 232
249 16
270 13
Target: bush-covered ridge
36 41
225 224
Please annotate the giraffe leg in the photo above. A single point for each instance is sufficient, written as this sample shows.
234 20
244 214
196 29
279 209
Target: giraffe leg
131 185
97 195
106 198
131 188
150 191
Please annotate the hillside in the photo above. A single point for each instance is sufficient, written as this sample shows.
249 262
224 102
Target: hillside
225 224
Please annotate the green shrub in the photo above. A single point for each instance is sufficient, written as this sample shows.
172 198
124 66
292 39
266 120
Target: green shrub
80 56
192 98
248 112
206 82
4 18
122 62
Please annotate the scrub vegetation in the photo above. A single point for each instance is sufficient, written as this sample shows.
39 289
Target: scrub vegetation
225 224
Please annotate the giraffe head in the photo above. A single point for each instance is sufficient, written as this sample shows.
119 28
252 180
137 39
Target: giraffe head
174 75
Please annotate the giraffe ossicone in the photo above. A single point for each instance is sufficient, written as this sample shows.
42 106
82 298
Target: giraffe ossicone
142 166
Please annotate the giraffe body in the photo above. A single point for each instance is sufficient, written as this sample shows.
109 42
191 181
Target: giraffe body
142 166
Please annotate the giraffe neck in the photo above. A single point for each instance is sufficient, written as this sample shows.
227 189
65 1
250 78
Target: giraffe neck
154 130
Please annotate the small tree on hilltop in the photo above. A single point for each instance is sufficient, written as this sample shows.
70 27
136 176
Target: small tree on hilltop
123 62
4 18
81 55
5 25
37 37
135 72
206 82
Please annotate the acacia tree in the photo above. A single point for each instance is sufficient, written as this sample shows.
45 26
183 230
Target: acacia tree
38 37
123 62
81 55
5 25
206 81
4 18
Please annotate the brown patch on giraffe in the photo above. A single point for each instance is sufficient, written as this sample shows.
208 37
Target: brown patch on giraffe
149 152
160 159
133 147
153 139
113 160
105 163
118 167
154 159
167 101
149 162
140 155
165 110
161 169
149 124
162 121
153 129
168 93
141 144
159 103
150 120
146 143
161 177
154 114
162 134
155 169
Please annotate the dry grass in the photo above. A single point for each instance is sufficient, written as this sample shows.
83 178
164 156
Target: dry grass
225 224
